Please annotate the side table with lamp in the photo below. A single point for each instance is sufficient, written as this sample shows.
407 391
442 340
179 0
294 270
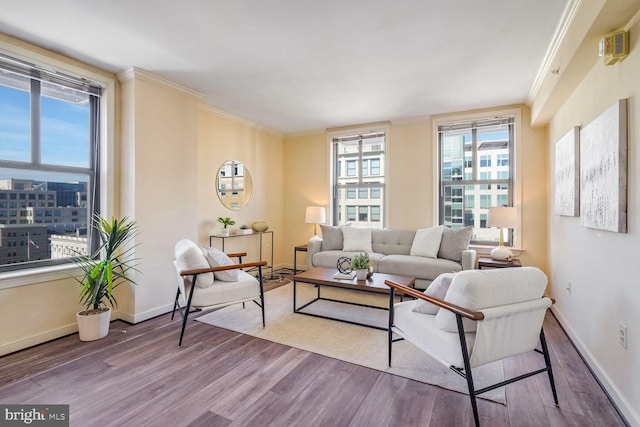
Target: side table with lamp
501 256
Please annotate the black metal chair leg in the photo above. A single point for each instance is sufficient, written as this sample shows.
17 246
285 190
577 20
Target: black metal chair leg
467 370
188 306
547 361
175 304
390 326
261 294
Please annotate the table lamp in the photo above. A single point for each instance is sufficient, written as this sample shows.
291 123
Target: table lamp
502 217
315 215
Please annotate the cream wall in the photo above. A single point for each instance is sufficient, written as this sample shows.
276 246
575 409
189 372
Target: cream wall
602 266
411 180
222 137
159 180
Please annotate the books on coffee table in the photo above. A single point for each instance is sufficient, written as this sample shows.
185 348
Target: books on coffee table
344 276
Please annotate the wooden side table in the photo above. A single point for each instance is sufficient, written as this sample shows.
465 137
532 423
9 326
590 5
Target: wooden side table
488 262
300 248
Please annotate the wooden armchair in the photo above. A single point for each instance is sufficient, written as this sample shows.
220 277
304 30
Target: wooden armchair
211 282
486 315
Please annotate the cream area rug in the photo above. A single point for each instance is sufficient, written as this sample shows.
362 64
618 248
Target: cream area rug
350 343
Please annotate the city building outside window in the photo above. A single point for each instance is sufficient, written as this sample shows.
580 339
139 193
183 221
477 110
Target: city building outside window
476 173
48 159
361 154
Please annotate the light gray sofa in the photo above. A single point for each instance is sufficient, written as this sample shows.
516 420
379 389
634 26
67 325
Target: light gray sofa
391 252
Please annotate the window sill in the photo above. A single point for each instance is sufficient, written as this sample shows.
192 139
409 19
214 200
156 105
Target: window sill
32 276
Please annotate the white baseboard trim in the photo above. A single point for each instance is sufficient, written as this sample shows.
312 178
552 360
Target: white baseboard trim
630 415
33 340
149 314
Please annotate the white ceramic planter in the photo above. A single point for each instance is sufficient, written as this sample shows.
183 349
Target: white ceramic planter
362 274
94 326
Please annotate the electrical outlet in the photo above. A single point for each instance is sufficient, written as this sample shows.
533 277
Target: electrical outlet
568 288
622 335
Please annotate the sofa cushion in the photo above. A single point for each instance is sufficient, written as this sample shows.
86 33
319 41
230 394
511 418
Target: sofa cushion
427 242
329 259
454 242
438 289
217 258
332 239
480 289
392 242
356 239
417 266
190 257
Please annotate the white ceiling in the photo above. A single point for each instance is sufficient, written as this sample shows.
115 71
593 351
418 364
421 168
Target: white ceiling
297 65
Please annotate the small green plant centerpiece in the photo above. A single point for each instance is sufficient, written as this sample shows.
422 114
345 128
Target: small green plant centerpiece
102 272
361 264
226 222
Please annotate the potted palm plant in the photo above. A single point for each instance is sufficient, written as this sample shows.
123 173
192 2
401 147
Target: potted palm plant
102 272
361 264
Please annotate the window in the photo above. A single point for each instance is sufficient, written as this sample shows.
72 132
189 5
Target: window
351 168
351 213
375 192
475 166
375 213
49 151
363 155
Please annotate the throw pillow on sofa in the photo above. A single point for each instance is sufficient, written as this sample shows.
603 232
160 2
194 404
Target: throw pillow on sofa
217 258
357 239
426 243
332 239
454 242
437 289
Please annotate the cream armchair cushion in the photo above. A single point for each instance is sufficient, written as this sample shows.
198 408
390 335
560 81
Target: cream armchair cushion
481 289
189 256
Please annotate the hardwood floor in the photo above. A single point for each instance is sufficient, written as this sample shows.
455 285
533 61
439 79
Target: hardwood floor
137 376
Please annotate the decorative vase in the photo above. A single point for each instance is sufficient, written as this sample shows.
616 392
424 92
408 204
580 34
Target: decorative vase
361 274
260 226
92 327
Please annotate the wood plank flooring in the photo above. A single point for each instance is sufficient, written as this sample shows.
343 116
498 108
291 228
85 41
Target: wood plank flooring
137 376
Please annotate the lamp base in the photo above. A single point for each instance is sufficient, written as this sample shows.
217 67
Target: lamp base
501 253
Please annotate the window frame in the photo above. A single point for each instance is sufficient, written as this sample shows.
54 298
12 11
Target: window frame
516 162
105 178
379 181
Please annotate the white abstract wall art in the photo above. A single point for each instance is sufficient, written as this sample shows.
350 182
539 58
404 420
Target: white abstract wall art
567 177
603 170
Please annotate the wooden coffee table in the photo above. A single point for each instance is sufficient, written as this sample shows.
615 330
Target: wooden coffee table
324 277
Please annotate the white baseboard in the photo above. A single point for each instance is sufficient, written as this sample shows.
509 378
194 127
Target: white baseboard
630 415
23 343
149 314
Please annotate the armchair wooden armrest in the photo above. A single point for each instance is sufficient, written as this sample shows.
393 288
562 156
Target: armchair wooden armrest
237 255
222 268
469 314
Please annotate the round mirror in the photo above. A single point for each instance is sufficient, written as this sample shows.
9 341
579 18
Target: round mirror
234 185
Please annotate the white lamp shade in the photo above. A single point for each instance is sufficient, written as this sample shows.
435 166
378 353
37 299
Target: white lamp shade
315 215
502 217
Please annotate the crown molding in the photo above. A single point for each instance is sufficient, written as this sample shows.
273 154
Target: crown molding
545 68
242 120
140 74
